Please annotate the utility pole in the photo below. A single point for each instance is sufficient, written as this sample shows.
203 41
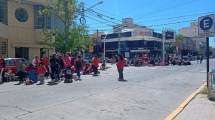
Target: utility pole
207 56
97 40
163 41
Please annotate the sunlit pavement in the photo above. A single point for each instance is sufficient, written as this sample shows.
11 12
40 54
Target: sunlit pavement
150 93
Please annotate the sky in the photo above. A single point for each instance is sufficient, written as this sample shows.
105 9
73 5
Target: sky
155 14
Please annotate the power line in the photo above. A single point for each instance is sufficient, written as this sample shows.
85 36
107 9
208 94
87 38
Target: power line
104 11
173 6
191 15
104 19
98 21
102 15
135 8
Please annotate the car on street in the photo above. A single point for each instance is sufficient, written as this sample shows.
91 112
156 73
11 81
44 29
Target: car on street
13 63
186 61
87 60
176 61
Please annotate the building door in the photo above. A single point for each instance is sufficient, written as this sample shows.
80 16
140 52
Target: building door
22 52
44 51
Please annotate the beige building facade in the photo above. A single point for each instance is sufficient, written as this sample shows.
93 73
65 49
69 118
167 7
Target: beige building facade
18 35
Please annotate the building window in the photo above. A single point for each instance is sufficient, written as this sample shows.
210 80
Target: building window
3 11
4 47
21 15
41 21
22 52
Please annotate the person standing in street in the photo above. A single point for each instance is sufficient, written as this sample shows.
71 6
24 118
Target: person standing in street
95 65
78 66
36 61
198 59
201 59
41 70
68 61
120 66
54 63
45 61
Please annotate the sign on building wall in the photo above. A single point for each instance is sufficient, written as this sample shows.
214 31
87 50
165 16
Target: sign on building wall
127 54
142 33
169 36
91 48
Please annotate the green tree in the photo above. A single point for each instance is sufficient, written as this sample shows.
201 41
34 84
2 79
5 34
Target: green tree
73 35
179 40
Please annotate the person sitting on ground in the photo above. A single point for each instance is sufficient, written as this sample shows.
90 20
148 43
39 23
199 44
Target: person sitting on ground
10 75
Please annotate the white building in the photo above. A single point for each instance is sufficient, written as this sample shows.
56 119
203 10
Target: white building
191 31
132 39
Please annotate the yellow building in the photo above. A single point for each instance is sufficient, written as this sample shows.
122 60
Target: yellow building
21 29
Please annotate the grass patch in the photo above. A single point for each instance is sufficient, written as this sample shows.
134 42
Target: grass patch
210 94
205 91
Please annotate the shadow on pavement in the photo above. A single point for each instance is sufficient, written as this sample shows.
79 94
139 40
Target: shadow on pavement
18 83
123 80
52 83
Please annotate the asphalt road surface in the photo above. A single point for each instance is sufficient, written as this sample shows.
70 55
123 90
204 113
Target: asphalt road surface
150 93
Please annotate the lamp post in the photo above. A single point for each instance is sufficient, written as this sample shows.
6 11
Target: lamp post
101 2
82 18
103 63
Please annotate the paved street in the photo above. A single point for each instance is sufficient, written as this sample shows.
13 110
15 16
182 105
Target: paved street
150 93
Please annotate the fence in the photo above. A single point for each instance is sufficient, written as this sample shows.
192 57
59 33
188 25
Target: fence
211 85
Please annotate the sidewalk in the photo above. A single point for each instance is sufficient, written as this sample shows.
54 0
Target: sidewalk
200 108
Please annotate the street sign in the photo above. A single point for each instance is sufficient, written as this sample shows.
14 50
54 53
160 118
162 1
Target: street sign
206 26
91 48
169 36
127 54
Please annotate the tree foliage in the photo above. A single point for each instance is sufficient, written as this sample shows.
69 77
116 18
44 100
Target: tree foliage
73 36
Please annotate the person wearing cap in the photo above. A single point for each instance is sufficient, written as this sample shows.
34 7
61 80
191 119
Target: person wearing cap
120 66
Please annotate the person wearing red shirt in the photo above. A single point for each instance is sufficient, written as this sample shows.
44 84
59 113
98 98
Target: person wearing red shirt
95 64
120 66
68 60
41 71
45 61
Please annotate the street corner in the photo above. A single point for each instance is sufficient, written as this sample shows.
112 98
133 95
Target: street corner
174 115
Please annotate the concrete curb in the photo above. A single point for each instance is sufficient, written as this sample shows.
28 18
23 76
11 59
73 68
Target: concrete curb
183 105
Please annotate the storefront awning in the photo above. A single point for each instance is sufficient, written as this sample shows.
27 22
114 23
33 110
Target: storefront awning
29 45
139 50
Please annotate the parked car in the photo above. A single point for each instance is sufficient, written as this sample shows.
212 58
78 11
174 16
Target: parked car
12 63
186 61
87 60
176 61
107 60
